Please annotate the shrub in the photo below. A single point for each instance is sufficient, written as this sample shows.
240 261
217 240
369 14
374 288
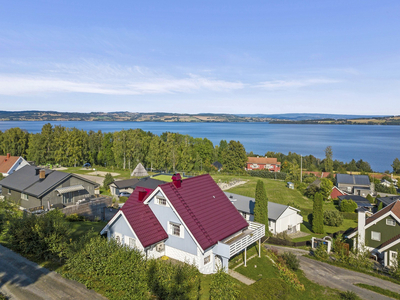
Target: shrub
333 218
321 252
283 236
122 199
223 287
74 218
44 237
370 199
348 295
291 260
267 174
108 179
348 205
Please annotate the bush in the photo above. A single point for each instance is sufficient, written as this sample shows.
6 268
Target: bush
267 174
122 199
44 237
371 199
333 218
321 252
74 218
291 260
348 205
283 236
223 287
348 295
108 179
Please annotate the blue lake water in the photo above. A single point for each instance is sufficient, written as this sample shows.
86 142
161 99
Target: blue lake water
378 145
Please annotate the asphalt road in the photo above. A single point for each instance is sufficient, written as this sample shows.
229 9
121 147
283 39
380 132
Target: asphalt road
24 280
339 278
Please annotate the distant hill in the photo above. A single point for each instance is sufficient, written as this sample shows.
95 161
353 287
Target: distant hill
305 116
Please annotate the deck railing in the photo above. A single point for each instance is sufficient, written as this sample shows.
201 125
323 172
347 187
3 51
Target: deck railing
253 233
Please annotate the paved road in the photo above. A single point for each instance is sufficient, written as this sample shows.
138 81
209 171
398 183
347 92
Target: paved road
24 280
339 278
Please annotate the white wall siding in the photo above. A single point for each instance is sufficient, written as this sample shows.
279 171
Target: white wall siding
209 267
181 255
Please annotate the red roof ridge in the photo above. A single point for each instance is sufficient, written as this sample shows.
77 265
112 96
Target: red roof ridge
191 213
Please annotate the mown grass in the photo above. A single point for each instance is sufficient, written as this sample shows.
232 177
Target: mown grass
379 290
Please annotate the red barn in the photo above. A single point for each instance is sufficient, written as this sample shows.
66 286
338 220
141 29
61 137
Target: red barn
261 163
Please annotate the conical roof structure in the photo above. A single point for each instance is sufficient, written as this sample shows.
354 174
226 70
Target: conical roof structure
139 171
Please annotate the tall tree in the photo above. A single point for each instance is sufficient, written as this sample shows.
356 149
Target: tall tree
236 157
328 162
318 214
396 167
261 205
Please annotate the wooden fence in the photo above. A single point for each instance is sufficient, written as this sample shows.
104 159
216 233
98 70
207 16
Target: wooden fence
91 210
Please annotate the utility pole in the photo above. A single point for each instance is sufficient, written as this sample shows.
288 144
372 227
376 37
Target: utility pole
301 168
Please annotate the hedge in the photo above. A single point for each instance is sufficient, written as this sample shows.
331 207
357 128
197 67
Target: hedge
267 174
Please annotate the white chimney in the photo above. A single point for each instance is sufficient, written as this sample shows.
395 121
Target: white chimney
361 228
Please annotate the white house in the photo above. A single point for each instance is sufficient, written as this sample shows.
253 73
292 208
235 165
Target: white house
9 164
281 217
189 220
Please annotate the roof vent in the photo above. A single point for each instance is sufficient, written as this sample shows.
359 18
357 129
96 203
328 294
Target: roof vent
231 196
177 180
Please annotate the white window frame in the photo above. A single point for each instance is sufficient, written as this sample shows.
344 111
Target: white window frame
130 242
24 196
393 222
117 235
161 201
9 192
207 259
171 229
375 238
393 260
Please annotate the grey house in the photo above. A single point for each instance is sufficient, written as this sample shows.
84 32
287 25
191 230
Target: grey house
354 184
280 217
129 185
32 187
359 200
386 201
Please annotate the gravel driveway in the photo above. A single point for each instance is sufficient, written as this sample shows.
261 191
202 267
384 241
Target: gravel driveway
339 278
24 280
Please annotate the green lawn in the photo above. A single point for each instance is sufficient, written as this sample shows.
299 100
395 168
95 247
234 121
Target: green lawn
268 284
78 229
379 290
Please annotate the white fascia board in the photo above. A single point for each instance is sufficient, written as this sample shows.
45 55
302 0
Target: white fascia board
174 210
19 158
295 209
352 234
134 233
390 245
389 213
105 229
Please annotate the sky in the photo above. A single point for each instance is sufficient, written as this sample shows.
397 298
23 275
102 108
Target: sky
239 57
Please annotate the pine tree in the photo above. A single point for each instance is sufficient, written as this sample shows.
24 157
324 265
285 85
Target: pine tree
318 214
261 205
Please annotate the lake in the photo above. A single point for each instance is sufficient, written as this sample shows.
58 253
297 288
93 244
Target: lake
378 145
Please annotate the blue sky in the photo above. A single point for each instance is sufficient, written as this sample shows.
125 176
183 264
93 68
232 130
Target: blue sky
201 56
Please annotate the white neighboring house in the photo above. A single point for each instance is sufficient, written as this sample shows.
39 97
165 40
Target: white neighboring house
9 164
188 220
281 217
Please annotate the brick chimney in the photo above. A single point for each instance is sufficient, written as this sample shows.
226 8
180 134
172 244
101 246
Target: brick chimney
42 174
142 194
177 180
8 155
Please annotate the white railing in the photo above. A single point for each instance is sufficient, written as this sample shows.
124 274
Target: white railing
253 233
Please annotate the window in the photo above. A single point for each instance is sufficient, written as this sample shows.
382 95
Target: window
175 229
161 201
269 223
118 238
132 242
9 192
24 196
375 236
390 222
207 259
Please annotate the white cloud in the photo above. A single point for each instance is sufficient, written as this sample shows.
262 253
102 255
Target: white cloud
290 84
18 85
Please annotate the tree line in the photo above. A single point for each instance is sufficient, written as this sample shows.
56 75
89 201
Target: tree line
122 149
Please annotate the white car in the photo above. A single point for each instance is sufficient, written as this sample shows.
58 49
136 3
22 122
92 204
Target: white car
124 194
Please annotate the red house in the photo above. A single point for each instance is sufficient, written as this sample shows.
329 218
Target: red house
261 163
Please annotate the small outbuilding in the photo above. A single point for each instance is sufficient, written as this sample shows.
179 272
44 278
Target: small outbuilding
139 171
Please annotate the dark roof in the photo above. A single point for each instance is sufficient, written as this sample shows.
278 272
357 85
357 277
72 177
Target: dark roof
205 209
123 184
361 201
148 183
217 164
27 180
388 200
246 204
394 207
352 179
143 221
395 238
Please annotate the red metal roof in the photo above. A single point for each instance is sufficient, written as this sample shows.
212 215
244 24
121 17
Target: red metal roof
142 219
205 209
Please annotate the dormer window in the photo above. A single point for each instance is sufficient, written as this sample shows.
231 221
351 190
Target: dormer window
161 201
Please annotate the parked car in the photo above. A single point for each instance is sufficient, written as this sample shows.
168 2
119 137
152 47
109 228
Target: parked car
87 165
124 194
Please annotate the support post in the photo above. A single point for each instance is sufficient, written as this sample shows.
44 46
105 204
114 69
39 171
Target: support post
245 257
259 248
